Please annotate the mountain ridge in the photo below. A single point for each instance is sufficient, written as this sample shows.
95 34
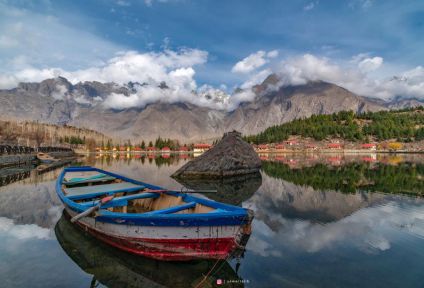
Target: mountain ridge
58 101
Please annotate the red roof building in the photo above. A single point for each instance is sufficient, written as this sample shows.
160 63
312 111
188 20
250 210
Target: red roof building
202 146
335 146
291 142
183 148
368 146
166 149
150 148
138 149
263 146
279 146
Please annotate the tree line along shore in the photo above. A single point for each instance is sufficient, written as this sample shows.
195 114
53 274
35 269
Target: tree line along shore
385 131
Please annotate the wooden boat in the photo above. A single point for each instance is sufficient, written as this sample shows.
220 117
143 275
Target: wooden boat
149 220
115 268
45 158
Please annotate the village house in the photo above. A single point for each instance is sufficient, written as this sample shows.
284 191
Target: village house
201 147
262 147
279 146
183 149
310 146
291 142
166 149
369 146
335 146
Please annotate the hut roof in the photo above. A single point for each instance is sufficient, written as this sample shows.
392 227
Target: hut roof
231 156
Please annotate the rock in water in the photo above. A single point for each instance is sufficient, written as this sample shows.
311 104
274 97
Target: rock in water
231 156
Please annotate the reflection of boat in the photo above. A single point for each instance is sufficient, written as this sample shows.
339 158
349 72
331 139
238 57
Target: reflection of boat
147 220
231 190
45 158
114 268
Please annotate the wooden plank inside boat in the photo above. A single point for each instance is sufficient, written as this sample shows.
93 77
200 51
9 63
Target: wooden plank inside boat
100 188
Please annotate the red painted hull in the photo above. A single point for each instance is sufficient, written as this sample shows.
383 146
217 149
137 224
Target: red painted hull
169 249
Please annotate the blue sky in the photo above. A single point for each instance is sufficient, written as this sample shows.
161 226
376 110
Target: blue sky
78 34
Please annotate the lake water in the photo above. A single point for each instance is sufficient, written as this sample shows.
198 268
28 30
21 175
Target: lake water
320 221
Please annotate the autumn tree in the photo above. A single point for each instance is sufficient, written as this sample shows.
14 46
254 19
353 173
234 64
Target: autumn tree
39 135
8 134
90 144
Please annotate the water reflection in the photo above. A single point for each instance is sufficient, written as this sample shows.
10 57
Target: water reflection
232 190
314 235
320 221
405 177
114 268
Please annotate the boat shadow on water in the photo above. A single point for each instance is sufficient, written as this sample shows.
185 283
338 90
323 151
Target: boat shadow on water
114 268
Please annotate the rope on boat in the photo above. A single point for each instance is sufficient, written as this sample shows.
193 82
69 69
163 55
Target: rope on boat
224 260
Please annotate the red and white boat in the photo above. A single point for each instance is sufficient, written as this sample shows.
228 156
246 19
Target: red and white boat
149 220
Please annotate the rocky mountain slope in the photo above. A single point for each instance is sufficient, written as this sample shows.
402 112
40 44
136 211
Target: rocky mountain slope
58 101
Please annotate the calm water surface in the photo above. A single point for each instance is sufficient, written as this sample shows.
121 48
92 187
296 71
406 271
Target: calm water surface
320 221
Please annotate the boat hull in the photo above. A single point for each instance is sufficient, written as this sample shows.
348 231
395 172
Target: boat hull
167 243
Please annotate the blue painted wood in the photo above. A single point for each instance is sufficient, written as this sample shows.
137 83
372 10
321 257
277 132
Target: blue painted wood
92 179
97 194
172 209
123 199
101 188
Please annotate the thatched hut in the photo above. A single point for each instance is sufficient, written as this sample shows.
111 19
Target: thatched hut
230 157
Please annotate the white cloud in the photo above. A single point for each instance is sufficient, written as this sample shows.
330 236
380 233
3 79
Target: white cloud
60 92
240 97
123 3
256 78
250 63
272 54
29 39
150 2
356 78
370 64
249 66
22 232
368 229
310 6
168 66
366 63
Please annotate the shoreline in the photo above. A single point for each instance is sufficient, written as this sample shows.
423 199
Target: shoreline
340 151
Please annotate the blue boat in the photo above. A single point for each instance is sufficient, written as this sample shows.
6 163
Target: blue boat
148 220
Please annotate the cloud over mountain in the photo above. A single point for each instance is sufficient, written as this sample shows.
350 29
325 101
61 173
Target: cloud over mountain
358 75
253 61
169 77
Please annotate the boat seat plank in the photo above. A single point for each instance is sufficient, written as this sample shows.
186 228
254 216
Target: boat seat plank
69 176
123 200
101 189
218 210
172 209
76 181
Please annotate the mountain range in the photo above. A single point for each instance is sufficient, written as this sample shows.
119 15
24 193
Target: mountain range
60 102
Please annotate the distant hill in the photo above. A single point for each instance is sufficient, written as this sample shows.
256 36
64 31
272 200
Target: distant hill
57 101
33 134
404 125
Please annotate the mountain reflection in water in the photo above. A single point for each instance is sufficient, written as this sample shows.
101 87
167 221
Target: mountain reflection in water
320 221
